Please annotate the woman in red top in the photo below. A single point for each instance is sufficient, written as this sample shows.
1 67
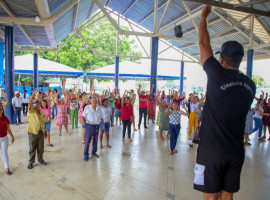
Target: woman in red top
4 129
126 116
118 109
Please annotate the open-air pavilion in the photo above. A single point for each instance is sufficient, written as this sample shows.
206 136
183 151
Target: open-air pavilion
28 24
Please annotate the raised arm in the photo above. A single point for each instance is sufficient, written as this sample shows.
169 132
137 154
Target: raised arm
133 99
6 98
167 111
204 38
30 103
139 90
57 94
185 112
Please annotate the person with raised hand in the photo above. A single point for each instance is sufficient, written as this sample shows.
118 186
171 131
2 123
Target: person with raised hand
229 96
36 131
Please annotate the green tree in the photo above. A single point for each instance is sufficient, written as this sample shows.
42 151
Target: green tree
102 37
259 81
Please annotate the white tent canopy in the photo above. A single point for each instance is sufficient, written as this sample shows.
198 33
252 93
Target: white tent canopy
134 70
24 65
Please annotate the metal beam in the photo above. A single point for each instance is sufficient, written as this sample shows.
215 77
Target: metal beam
181 16
101 7
251 30
10 13
131 5
138 39
250 3
241 30
63 10
263 25
151 13
155 16
185 20
91 10
164 14
232 7
230 27
2 35
75 13
189 13
44 13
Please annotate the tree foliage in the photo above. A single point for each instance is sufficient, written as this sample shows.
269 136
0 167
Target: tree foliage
259 81
102 37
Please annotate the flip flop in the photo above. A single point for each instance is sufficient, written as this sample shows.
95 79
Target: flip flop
109 146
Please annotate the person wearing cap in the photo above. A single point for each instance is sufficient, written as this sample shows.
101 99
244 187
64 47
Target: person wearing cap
221 153
36 130
17 106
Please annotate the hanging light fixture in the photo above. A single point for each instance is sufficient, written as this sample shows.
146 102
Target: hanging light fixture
37 19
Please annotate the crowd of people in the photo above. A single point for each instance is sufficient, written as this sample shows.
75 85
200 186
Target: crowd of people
98 113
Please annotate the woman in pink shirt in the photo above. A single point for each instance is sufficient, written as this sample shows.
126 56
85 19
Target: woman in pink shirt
48 114
126 116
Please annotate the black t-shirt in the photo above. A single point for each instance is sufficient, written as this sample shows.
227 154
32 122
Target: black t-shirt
229 97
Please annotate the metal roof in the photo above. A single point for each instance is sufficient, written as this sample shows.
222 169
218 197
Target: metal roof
59 18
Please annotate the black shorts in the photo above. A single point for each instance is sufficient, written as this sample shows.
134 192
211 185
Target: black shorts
216 171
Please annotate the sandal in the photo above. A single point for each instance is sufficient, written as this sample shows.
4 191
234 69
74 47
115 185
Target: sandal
130 140
247 143
108 146
43 163
101 146
9 173
30 166
50 145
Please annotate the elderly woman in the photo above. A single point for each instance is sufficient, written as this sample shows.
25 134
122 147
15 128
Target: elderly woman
4 130
36 130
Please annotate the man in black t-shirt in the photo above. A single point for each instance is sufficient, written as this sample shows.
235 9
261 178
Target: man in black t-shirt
229 96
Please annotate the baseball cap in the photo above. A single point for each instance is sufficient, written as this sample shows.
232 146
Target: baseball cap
16 93
232 49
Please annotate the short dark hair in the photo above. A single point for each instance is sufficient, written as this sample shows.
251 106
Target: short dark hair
232 61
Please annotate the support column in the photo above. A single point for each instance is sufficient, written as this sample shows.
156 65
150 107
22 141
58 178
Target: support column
2 82
35 75
154 62
250 54
182 77
116 74
9 71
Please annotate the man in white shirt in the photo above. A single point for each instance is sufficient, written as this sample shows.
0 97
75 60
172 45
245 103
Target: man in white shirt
17 106
25 100
93 115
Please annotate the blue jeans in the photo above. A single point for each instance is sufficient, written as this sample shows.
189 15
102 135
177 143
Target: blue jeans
174 133
258 125
142 112
17 114
54 108
113 110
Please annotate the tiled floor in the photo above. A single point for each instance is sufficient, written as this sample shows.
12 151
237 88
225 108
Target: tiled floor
140 170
